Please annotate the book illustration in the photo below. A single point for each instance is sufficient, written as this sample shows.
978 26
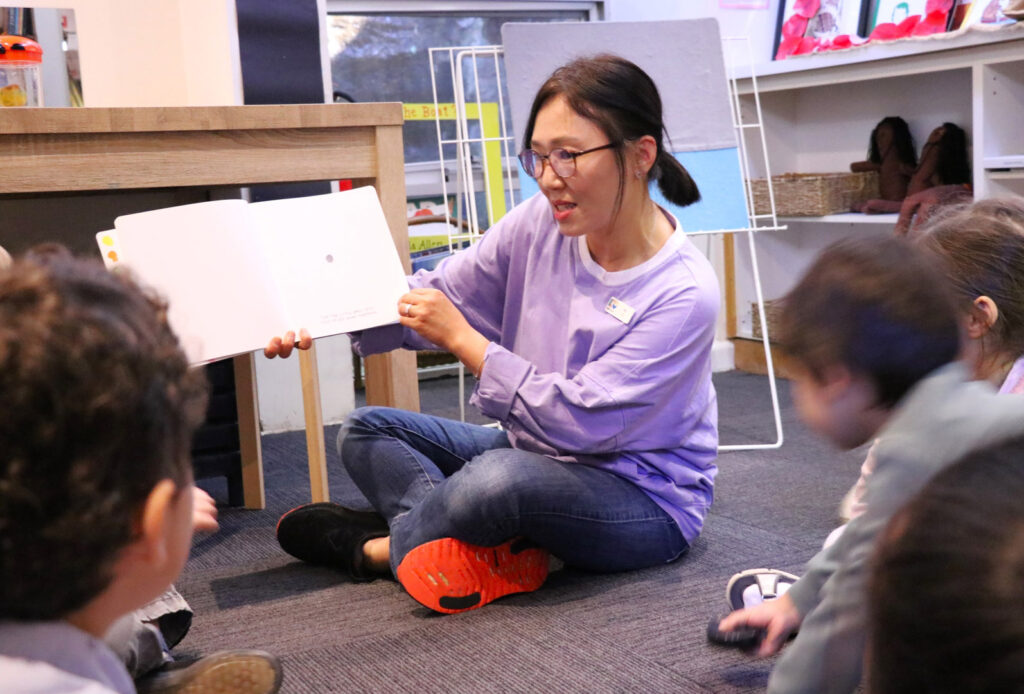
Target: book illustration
109 248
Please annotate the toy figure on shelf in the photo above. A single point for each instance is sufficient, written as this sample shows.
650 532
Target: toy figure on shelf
943 162
891 154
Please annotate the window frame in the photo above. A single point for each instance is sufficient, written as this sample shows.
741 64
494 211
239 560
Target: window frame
595 8
423 178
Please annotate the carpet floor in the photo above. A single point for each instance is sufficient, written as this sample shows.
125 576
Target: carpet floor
581 632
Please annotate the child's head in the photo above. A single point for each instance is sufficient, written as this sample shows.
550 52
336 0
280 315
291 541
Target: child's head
99 411
982 252
868 320
947 586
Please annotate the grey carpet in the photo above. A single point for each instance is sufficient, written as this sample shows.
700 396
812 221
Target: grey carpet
582 632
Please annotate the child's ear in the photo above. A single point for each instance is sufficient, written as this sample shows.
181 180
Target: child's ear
983 315
155 523
835 381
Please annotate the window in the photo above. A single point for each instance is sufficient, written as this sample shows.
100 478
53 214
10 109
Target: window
382 54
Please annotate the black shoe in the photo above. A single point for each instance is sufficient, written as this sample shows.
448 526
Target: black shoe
173 626
237 672
327 534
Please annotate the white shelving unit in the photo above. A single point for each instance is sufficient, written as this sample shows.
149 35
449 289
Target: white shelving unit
847 218
1000 93
818 115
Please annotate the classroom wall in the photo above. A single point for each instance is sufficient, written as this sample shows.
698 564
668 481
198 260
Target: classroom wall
734 19
155 52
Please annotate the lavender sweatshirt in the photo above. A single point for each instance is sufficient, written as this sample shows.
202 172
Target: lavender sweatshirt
568 379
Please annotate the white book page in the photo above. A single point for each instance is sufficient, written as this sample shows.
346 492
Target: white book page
206 261
333 261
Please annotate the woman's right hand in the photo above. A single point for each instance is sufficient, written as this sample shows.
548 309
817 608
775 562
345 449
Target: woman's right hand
282 346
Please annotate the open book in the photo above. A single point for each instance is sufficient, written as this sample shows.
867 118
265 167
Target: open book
236 274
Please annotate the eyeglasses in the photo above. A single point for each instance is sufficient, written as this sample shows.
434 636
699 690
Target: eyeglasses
562 161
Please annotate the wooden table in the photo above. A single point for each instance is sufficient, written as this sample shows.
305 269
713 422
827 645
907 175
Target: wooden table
64 150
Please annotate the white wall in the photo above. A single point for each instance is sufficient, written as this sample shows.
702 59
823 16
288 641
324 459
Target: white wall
280 390
156 52
54 72
758 25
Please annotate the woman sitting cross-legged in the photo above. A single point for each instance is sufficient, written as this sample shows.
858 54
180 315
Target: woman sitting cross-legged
588 318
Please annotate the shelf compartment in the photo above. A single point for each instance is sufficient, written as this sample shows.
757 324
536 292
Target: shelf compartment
1007 175
1002 88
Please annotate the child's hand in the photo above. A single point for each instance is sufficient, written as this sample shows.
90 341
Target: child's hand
778 617
204 512
282 346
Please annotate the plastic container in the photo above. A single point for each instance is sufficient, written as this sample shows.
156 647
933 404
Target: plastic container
21 62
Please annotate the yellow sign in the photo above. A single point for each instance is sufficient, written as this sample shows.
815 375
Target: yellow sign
491 126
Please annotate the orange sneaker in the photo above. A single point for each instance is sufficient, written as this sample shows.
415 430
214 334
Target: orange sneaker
449 575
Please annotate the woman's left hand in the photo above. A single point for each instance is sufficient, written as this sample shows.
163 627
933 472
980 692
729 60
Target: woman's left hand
432 314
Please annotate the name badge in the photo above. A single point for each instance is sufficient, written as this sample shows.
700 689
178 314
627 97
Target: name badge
621 310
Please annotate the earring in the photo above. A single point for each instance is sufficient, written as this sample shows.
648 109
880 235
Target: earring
639 173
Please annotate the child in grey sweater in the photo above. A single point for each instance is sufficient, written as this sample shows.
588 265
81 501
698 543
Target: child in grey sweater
874 332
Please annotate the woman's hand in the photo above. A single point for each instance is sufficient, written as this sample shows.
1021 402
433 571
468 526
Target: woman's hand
282 346
431 314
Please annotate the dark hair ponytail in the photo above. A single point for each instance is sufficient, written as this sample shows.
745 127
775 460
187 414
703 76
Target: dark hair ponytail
674 181
622 100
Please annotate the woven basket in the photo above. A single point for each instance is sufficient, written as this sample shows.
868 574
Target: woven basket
814 195
771 313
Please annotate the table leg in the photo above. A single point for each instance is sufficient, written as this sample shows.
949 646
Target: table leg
314 425
249 432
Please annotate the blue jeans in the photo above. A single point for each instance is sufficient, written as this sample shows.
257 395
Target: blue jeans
432 477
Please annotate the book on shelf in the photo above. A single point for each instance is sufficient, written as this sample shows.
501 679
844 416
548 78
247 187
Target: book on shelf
435 234
17 21
235 274
426 243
